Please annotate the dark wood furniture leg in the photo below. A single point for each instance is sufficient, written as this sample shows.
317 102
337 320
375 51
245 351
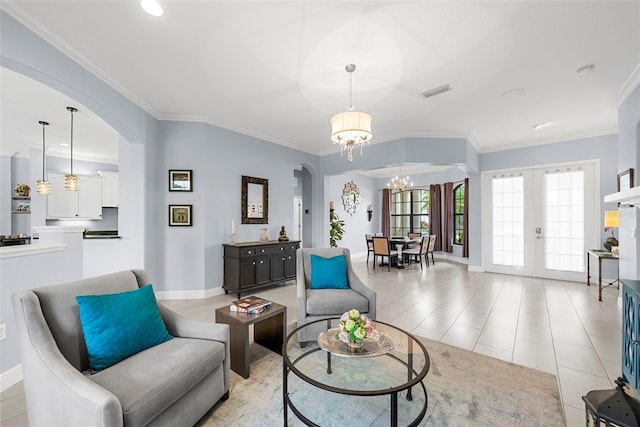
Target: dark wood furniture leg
270 333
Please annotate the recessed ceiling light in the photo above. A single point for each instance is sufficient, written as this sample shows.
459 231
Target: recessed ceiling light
152 7
512 93
541 125
585 69
64 144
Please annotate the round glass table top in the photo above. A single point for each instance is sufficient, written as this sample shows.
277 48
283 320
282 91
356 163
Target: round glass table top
391 360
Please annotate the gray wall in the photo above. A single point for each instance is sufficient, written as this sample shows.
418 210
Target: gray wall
356 225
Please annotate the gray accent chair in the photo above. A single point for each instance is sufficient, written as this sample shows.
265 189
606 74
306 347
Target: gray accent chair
172 384
317 304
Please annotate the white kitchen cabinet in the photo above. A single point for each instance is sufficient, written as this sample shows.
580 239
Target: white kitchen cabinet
85 203
110 189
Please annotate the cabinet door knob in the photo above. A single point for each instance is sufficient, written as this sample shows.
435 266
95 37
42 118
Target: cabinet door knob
253 263
262 250
261 262
249 252
282 249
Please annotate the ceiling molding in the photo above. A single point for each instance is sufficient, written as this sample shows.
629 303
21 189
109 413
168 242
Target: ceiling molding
546 141
628 87
55 41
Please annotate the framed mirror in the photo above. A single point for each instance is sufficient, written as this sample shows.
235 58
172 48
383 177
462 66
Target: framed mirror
255 200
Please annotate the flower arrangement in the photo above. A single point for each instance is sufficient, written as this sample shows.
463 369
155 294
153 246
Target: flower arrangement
354 327
22 189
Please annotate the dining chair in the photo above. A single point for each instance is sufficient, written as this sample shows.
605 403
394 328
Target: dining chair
369 239
431 248
419 252
414 245
381 248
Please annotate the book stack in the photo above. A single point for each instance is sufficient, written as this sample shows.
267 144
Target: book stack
250 305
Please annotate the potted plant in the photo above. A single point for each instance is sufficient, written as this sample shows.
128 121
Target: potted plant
336 230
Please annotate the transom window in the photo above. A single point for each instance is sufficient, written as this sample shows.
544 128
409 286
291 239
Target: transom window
410 212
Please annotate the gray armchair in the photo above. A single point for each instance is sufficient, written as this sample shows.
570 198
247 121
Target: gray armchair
317 304
173 383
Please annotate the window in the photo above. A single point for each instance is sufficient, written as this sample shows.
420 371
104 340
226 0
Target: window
410 212
458 214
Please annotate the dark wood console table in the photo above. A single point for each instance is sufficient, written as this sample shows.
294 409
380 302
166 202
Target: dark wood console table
251 265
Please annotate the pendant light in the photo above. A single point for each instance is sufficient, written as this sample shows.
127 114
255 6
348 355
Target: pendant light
71 182
43 186
351 128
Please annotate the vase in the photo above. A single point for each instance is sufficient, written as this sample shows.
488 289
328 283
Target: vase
263 235
355 346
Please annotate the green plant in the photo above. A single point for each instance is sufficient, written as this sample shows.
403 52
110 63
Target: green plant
336 231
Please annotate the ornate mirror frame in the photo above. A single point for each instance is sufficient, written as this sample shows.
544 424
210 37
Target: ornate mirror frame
255 200
351 198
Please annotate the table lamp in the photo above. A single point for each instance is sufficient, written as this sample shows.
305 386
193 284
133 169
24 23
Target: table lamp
611 221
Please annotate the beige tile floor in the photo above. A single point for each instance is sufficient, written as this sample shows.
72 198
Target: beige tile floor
556 327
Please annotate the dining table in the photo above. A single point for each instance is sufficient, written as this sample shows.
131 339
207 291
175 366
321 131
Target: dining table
401 243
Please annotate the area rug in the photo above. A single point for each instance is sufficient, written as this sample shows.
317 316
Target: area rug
464 389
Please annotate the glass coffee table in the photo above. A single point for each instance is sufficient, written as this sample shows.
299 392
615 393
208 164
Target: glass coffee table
382 384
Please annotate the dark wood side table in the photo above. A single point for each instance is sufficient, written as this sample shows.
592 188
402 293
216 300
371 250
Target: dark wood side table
269 331
600 255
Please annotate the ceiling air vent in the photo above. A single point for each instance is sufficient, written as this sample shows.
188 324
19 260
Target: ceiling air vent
436 91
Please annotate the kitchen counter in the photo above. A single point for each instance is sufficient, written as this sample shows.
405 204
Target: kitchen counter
100 234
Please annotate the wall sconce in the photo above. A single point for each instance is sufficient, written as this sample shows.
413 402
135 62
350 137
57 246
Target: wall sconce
370 212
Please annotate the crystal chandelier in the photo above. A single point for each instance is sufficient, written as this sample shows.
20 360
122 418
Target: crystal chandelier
71 181
399 184
351 128
43 186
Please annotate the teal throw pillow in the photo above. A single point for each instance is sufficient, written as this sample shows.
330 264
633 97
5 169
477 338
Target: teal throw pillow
117 326
329 273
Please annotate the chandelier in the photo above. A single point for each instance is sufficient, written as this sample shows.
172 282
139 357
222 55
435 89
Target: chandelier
43 186
351 128
399 184
71 181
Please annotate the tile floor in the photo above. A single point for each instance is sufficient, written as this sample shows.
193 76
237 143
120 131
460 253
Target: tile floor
556 327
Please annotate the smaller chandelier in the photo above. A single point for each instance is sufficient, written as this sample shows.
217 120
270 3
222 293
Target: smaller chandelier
351 128
399 184
71 181
42 185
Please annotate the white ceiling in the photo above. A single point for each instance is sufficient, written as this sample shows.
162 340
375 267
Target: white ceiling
275 69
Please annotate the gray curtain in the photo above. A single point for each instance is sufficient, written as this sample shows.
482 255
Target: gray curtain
465 220
447 223
386 212
434 214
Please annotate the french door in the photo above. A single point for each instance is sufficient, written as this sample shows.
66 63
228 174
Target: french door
539 222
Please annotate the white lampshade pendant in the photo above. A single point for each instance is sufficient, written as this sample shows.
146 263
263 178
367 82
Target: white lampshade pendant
351 128
42 185
71 182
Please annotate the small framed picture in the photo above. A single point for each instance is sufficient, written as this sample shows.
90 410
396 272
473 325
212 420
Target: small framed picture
625 180
180 215
180 180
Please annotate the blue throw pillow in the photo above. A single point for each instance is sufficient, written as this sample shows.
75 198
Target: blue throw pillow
117 326
329 273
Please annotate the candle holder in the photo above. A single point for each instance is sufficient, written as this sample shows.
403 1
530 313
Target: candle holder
233 237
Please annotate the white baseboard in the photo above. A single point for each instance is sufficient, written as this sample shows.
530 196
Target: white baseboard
476 268
11 377
161 295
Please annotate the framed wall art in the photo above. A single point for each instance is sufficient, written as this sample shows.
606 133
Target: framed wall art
180 180
625 180
180 215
